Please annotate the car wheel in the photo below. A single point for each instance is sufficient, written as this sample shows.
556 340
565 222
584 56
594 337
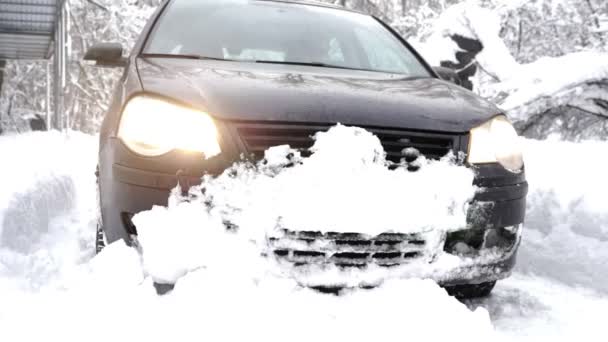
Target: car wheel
100 236
100 239
468 291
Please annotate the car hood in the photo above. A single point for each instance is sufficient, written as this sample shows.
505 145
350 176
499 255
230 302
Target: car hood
272 92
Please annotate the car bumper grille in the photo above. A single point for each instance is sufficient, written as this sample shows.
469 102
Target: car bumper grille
259 136
347 249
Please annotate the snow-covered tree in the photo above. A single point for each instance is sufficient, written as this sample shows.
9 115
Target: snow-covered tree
88 89
566 94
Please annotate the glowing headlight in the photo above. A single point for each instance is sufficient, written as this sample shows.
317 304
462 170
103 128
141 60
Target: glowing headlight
496 141
152 127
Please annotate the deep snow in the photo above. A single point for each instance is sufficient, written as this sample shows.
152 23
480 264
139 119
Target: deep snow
47 206
51 288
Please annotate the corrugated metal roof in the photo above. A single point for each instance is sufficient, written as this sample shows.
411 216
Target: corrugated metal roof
27 28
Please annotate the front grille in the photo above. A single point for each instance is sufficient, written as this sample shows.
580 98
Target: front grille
347 249
258 136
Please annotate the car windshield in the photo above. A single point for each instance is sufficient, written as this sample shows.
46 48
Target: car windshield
275 32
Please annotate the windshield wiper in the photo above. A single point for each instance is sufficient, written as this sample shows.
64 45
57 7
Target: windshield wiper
314 64
182 56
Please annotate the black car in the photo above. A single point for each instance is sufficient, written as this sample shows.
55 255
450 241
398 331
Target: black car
222 79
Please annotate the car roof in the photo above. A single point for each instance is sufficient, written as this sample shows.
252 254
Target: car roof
318 4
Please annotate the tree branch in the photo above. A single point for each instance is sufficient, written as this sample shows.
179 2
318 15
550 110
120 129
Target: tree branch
98 5
599 115
486 71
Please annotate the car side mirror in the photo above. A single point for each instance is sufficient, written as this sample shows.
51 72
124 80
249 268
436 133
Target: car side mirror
448 74
106 55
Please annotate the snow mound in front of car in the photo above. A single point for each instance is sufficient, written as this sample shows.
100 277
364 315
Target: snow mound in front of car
346 185
227 305
56 294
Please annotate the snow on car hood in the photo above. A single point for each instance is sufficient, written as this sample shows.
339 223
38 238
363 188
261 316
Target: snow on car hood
249 91
344 186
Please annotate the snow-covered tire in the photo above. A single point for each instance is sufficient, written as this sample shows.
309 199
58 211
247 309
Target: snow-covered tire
100 239
100 236
468 291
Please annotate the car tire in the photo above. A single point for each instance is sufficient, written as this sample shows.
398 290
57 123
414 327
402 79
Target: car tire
100 236
468 291
100 239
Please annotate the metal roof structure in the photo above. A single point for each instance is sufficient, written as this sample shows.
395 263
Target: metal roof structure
27 28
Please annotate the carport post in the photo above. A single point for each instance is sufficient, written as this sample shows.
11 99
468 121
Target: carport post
56 77
66 56
48 96
59 61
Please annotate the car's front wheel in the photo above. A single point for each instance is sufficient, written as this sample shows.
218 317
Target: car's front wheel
100 236
467 291
100 239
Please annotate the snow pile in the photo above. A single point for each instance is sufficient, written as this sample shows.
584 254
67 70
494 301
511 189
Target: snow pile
229 296
566 234
48 194
344 186
212 306
561 268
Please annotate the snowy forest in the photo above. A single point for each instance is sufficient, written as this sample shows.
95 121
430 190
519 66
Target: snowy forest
507 54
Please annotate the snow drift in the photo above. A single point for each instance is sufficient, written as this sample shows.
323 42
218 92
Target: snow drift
56 291
46 205
566 235
225 292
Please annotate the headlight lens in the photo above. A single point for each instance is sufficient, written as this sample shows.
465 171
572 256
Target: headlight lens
152 127
496 141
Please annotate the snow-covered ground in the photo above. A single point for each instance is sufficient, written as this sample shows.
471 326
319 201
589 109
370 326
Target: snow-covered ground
52 288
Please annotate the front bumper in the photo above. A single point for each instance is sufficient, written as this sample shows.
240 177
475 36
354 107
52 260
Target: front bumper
128 187
446 270
487 264
494 228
